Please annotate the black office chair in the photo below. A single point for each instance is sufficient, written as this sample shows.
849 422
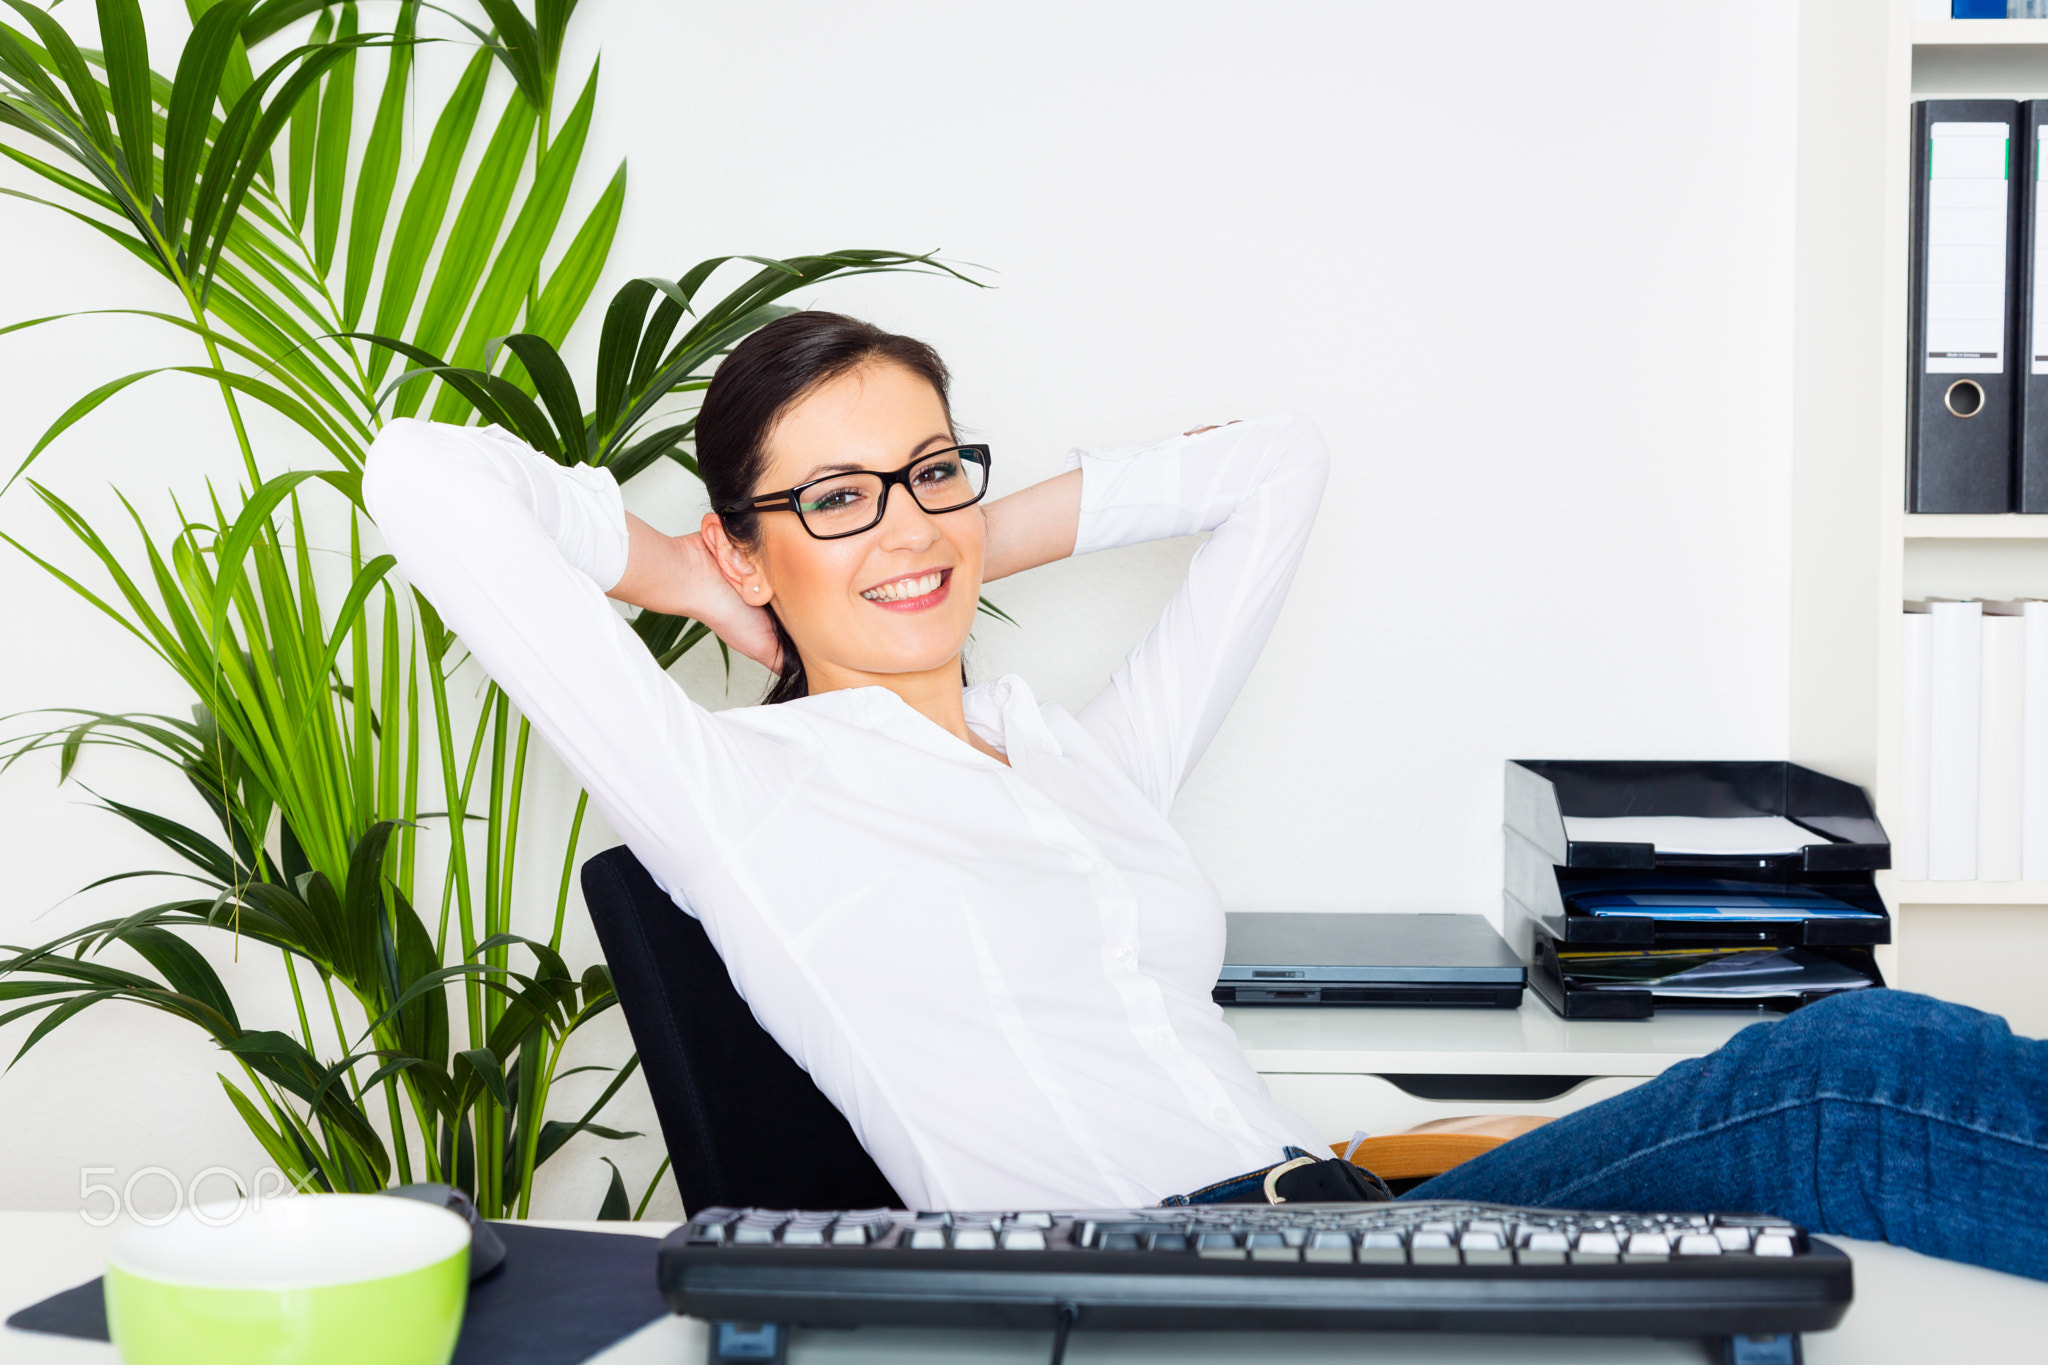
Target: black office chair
745 1125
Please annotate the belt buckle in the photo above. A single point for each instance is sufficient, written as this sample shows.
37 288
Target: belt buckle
1273 1195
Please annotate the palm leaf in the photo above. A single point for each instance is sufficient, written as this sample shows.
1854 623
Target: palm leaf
426 205
568 288
330 148
379 173
126 48
513 273
469 242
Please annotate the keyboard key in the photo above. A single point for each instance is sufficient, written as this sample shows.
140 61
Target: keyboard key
925 1239
1492 1256
1477 1240
1649 1244
1774 1244
1218 1244
1547 1242
1382 1248
1732 1239
1166 1241
794 1236
1328 1246
1091 1232
1023 1239
1699 1244
1599 1244
974 1239
1529 1257
1031 1220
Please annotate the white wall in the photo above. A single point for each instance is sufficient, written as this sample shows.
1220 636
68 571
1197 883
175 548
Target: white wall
1529 265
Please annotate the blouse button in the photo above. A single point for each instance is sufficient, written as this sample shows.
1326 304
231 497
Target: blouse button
1099 867
1127 954
1221 1115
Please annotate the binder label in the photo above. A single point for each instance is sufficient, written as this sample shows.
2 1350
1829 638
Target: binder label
1968 168
2040 337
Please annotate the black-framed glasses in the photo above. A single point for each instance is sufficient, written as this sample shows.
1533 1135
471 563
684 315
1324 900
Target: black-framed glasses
849 503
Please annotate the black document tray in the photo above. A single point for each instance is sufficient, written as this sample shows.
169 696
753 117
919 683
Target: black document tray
1552 981
1542 867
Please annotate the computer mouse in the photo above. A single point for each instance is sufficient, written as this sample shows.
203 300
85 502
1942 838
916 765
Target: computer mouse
486 1251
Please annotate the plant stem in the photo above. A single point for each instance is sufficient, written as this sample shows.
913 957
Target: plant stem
647 1198
494 836
291 970
401 1150
458 851
514 803
568 865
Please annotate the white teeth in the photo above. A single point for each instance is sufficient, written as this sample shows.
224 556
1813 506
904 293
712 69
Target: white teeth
905 587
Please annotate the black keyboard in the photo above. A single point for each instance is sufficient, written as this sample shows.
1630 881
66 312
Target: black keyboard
1422 1266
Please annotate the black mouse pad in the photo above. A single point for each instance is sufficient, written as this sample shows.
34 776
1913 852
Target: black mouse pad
562 1296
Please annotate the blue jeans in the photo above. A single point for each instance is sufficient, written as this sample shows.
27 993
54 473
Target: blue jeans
1249 1188
1877 1115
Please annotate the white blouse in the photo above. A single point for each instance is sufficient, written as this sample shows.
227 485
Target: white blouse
1000 975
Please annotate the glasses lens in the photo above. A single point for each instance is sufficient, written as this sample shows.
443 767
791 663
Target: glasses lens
949 479
842 504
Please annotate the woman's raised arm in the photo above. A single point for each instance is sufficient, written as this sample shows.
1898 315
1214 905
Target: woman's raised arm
1254 486
516 553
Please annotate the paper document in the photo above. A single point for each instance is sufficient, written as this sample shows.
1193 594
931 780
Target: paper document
1712 974
1756 835
1719 907
1967 172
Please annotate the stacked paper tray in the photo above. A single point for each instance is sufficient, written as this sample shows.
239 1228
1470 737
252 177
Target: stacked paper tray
1633 886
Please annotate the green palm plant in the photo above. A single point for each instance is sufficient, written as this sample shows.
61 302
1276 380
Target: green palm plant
186 177
317 725
306 747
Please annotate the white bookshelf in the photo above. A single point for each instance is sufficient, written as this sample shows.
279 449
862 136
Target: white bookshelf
1970 893
1980 32
1856 554
1937 526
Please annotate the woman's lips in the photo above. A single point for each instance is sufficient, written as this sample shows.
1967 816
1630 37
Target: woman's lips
924 603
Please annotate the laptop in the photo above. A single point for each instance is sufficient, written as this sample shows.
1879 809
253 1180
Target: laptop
1355 959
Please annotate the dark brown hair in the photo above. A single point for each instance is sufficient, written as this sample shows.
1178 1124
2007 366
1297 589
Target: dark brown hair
765 374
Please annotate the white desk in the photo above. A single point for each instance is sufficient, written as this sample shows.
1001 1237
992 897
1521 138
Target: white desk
1909 1311
1329 1064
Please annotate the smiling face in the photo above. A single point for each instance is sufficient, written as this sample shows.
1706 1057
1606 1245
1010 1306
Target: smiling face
897 598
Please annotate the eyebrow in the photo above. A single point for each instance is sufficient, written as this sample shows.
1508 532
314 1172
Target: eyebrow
844 467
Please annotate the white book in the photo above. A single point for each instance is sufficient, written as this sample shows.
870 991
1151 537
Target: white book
1954 693
1916 713
2034 747
2001 712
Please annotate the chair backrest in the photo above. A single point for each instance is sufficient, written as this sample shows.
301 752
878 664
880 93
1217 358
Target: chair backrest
745 1125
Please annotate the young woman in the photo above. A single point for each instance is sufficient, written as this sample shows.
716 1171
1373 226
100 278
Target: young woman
965 912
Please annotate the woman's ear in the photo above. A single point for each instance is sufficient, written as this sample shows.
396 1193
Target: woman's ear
735 565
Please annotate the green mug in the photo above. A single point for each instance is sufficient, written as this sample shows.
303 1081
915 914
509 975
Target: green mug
315 1279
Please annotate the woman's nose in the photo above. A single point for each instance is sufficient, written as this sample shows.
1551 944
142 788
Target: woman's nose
905 524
